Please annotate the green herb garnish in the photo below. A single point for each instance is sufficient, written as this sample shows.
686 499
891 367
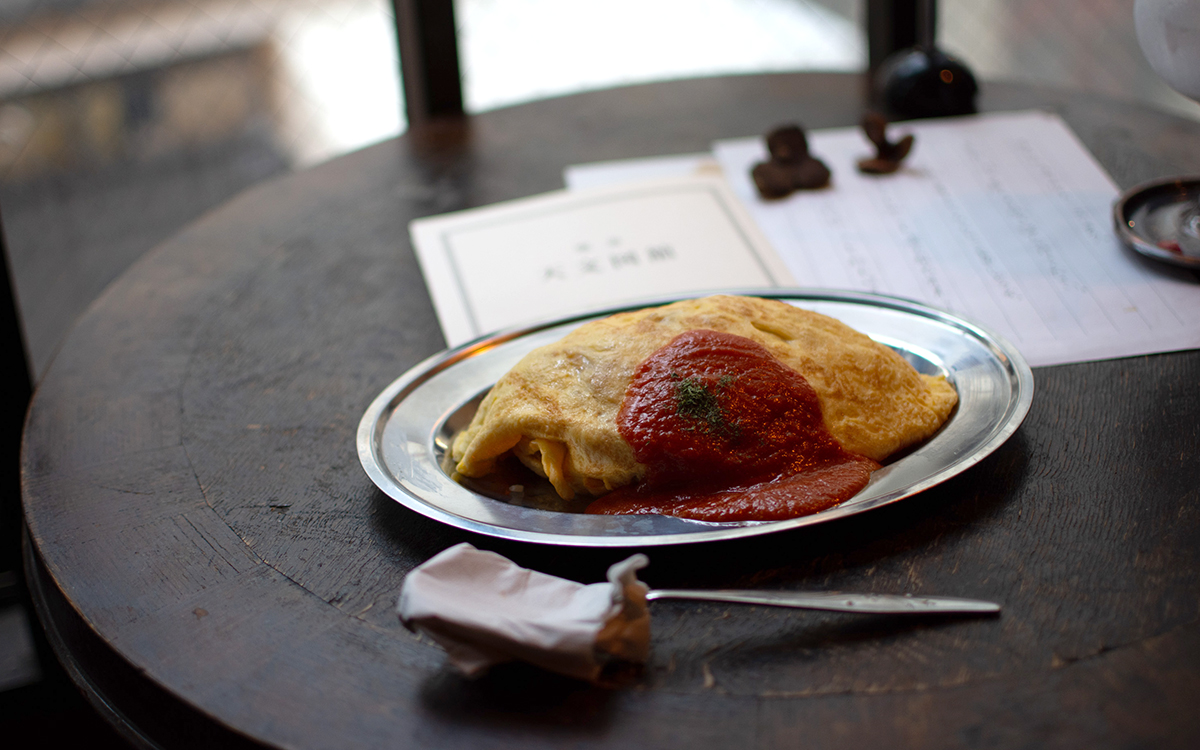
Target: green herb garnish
694 400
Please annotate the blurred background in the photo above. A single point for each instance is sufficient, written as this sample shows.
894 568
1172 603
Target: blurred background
122 120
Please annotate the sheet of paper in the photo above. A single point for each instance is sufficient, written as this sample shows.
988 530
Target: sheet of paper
1003 218
565 252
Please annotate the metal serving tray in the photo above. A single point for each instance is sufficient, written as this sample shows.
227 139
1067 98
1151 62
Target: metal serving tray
404 434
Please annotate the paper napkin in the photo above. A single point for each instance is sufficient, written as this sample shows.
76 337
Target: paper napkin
484 609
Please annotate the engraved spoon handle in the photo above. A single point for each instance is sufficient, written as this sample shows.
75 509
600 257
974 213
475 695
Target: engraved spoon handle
834 601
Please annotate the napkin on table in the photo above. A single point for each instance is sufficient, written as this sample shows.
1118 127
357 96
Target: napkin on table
484 609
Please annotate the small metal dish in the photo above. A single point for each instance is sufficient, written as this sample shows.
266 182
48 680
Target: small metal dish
405 433
1147 218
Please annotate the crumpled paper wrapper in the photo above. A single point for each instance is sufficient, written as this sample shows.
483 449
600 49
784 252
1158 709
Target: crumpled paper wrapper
484 610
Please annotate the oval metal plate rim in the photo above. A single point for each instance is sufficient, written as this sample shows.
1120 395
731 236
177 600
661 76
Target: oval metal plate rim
375 417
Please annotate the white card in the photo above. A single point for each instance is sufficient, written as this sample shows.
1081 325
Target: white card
565 252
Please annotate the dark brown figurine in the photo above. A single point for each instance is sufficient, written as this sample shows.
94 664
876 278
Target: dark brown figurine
787 144
773 179
791 166
888 155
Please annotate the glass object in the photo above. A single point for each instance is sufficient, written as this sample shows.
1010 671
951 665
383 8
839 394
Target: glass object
1168 32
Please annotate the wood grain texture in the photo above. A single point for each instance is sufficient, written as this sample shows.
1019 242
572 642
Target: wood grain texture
194 498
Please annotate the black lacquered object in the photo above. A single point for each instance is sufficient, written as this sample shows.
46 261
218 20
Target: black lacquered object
924 81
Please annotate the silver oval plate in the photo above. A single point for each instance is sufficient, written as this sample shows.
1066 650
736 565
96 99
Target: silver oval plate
404 435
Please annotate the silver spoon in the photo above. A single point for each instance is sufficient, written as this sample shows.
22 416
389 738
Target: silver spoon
834 601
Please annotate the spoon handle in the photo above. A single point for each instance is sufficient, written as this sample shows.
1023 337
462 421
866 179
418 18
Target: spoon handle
834 601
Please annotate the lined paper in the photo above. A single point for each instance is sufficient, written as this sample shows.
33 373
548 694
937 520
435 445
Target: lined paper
1004 219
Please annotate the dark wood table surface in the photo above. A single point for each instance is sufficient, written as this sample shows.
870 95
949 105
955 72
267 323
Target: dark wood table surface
217 570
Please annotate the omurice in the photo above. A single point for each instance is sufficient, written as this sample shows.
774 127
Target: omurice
721 408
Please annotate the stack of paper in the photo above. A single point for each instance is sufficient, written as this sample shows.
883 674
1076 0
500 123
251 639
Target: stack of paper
1003 219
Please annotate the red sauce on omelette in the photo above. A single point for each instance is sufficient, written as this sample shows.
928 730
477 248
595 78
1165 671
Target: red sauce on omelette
727 433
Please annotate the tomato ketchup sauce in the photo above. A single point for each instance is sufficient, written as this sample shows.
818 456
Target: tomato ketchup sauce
728 433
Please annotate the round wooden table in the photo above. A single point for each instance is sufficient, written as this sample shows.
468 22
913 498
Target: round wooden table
215 568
